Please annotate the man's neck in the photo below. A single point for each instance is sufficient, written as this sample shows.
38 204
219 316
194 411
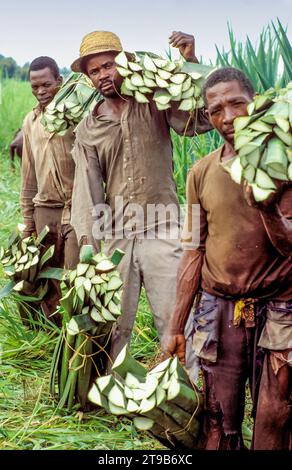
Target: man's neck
113 106
228 152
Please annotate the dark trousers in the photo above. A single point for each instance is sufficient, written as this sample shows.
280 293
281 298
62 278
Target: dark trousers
227 361
66 254
273 422
229 356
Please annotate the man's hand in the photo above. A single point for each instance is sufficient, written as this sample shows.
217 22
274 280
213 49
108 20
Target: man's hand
83 241
173 344
185 43
268 204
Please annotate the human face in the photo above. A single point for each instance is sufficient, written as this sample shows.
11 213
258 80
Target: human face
225 102
44 85
101 69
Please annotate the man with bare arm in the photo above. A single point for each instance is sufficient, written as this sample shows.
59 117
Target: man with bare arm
241 276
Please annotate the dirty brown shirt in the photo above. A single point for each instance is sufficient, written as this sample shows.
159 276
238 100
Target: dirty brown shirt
47 169
130 158
238 258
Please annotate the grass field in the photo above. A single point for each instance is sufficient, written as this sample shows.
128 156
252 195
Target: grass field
28 418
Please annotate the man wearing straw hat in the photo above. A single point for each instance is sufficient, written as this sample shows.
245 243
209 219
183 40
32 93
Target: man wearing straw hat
123 156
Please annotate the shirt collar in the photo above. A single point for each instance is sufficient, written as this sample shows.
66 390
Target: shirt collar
101 116
37 110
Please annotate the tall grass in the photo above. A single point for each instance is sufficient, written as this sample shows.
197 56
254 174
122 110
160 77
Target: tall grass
28 418
186 151
268 64
15 101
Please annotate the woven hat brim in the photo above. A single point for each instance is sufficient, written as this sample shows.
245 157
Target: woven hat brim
76 65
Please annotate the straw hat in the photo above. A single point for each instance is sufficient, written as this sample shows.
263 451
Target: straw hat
95 43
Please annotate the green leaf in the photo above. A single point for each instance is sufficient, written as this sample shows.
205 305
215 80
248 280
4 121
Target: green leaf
86 253
117 256
37 296
42 235
47 255
6 290
53 273
200 69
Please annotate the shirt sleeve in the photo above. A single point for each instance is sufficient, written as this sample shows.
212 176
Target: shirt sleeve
195 227
88 191
29 187
184 123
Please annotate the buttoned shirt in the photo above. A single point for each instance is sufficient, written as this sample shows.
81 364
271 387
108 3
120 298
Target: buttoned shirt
129 160
47 169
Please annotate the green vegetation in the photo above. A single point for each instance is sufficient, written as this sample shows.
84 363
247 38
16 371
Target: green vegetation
15 101
9 69
28 418
266 65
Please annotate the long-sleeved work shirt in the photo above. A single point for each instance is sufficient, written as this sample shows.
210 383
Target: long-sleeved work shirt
47 169
128 158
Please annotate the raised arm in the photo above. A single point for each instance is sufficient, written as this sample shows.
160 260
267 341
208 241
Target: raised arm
183 122
185 43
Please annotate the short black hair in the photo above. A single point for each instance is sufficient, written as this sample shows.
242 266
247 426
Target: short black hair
227 74
43 62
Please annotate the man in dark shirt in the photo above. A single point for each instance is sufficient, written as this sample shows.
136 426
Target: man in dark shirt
123 156
241 275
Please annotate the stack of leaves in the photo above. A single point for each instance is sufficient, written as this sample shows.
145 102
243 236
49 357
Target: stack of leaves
263 142
75 99
24 262
162 401
164 79
90 306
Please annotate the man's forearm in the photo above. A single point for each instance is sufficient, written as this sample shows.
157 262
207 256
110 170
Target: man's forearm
27 209
279 230
193 59
29 186
188 283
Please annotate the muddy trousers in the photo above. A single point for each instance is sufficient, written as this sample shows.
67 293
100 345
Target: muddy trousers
273 407
232 354
224 384
66 253
226 357
273 421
